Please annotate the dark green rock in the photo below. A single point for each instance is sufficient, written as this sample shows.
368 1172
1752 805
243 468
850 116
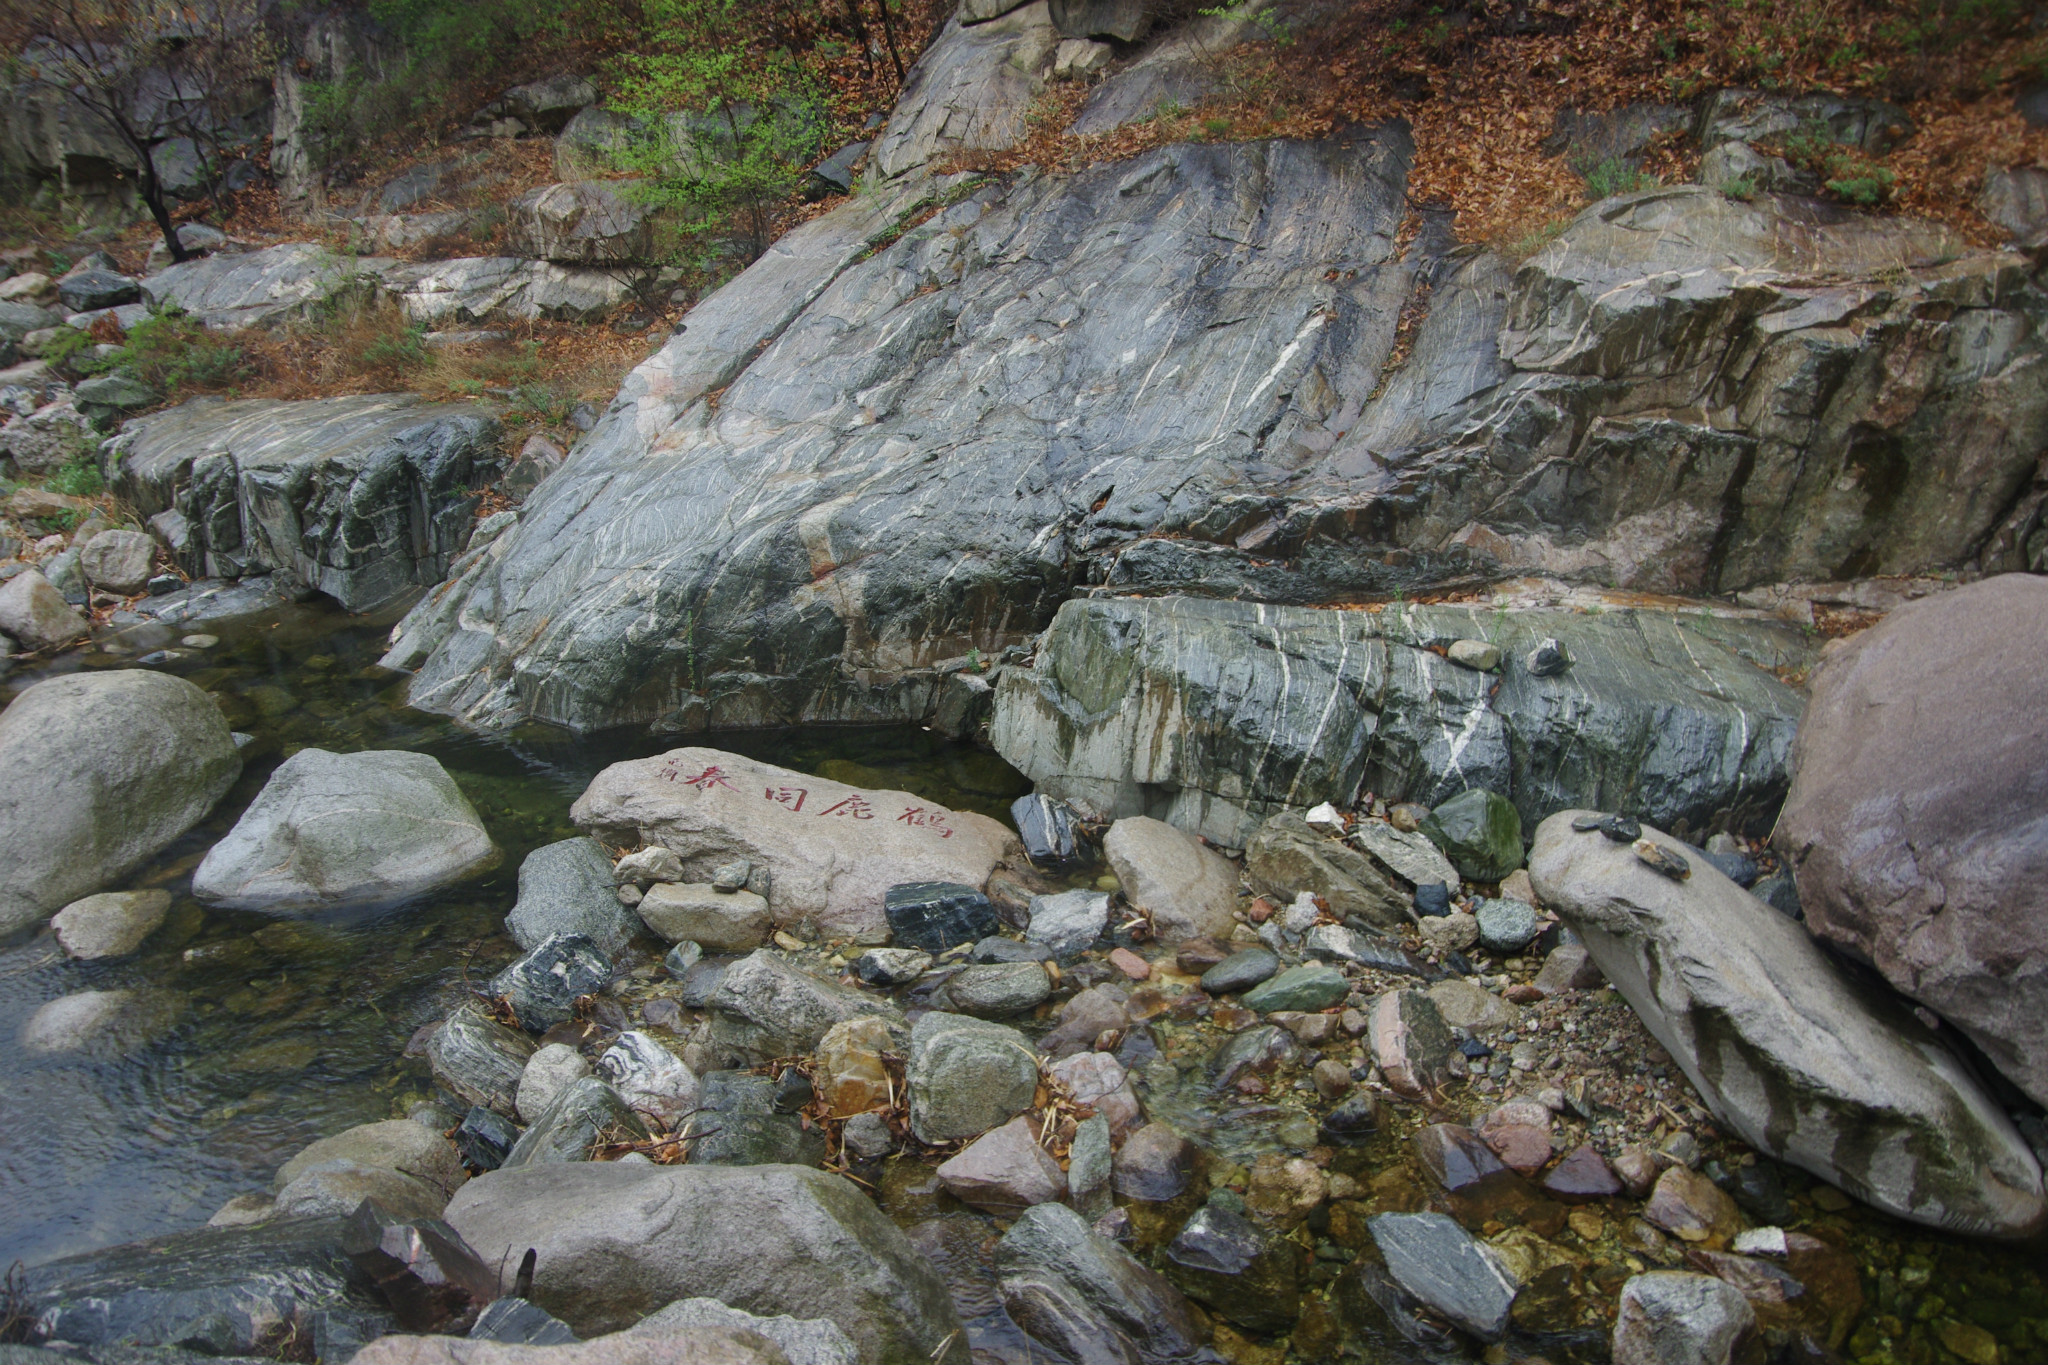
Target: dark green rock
1240 1271
1310 987
1240 971
1480 832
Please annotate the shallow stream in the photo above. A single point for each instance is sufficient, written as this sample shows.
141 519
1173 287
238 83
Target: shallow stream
298 1028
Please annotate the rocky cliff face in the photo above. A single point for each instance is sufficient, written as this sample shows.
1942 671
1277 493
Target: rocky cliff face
907 434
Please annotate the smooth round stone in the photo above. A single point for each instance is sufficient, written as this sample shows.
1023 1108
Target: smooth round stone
102 1022
1432 900
1240 971
998 988
111 923
1506 926
1311 987
200 641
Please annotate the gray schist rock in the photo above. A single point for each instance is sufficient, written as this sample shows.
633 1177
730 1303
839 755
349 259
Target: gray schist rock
1181 66
568 888
1079 1293
227 292
1064 379
971 90
1663 714
1809 1065
363 498
617 1241
587 222
233 1284
476 288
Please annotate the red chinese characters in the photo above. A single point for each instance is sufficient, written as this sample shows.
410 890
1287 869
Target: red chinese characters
713 776
927 819
856 806
792 797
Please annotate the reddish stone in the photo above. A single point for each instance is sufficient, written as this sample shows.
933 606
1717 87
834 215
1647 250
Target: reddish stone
1198 955
1524 1147
1637 1169
1130 964
1234 1018
1454 1156
1262 910
1582 1177
1523 994
1691 1208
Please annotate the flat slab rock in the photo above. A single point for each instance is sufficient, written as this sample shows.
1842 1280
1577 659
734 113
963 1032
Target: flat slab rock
1808 1065
363 498
832 851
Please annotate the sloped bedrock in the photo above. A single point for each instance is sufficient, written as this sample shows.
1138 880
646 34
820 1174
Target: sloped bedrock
1166 376
935 440
1213 715
361 498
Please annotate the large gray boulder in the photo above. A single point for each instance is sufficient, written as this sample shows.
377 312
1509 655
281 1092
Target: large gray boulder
98 773
831 851
1669 715
34 611
567 888
615 1242
331 830
806 1341
468 289
1806 1063
363 498
1918 821
967 1075
229 291
701 1344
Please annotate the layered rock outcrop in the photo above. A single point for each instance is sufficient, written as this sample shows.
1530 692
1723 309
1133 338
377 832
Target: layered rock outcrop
362 498
898 437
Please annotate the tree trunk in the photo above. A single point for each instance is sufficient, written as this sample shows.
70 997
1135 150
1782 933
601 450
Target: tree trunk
889 31
153 198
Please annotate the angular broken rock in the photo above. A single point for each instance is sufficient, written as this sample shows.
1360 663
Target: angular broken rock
1672 1316
1693 1209
832 851
1807 1064
1410 1042
1005 1171
1438 1263
1455 1157
765 1007
649 1077
423 1268
717 921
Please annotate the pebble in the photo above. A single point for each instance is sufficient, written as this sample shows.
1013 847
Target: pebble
1547 660
200 641
1506 926
1130 964
1332 1079
1658 858
891 966
630 894
1240 971
1474 654
1407 816
1432 899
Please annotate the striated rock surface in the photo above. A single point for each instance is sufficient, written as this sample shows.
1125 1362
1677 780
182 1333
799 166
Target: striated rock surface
363 498
229 291
1805 1063
1918 819
1213 715
1063 380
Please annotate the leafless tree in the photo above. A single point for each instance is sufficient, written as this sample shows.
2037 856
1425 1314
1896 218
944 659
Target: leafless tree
143 72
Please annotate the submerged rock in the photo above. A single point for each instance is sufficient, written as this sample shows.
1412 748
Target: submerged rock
110 924
616 1242
1808 1065
832 851
1672 1317
102 1024
1439 1264
361 498
1005 1171
1239 1270
331 830
1075 1291
1944 887
99 772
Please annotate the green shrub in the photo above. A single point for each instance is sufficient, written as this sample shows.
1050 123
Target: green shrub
1845 171
1614 176
170 352
77 478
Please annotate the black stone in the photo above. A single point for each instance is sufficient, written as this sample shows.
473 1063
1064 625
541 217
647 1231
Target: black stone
1475 1049
485 1138
522 1323
1739 868
936 916
1432 900
1548 660
542 987
792 1092
834 175
1352 1123
1758 1191
997 949
90 289
422 1268
1052 837
1240 971
1780 893
1378 951
1459 963
163 583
